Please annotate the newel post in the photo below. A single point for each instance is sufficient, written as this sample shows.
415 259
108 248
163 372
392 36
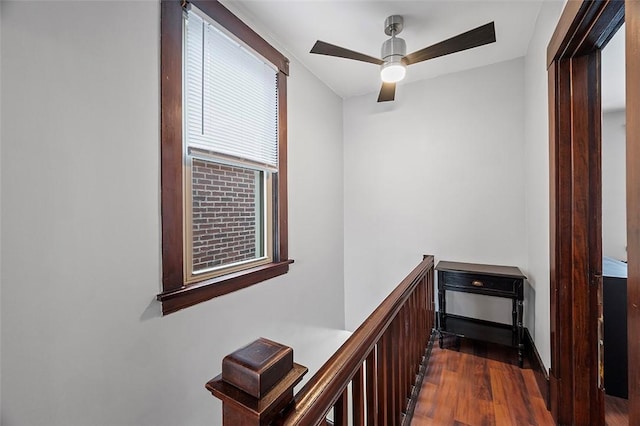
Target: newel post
256 383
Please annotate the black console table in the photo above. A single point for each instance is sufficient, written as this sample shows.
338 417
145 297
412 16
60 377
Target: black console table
489 280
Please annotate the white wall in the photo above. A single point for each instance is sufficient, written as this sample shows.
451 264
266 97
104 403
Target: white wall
439 171
614 196
82 339
537 176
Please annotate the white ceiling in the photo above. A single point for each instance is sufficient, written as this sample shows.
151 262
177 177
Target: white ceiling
359 25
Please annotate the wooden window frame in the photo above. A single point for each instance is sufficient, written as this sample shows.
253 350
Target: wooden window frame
176 294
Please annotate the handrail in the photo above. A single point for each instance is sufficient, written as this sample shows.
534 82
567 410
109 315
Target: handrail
378 370
326 386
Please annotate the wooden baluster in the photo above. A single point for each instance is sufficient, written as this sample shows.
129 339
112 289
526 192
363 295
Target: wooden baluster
401 366
341 410
415 337
402 354
403 361
428 307
422 306
372 388
425 306
422 316
421 325
388 371
411 354
412 338
417 341
418 325
402 344
392 371
407 356
424 309
395 364
385 399
431 301
357 393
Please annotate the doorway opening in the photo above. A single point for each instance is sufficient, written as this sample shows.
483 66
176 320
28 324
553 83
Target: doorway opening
614 232
574 58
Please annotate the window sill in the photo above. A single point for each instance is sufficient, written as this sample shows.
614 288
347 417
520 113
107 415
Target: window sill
186 296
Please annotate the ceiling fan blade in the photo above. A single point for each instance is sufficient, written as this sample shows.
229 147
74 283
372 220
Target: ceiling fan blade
387 92
480 36
322 48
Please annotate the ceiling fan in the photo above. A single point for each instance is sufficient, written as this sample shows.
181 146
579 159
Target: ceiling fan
394 58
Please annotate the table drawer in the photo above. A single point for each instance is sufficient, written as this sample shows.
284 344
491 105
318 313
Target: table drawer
480 283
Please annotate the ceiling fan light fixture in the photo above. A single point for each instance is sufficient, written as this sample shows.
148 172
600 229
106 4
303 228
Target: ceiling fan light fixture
394 59
392 52
393 71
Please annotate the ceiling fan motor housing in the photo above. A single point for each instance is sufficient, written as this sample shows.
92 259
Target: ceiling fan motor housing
395 46
394 49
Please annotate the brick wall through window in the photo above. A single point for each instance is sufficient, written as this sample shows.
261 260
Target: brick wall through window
225 214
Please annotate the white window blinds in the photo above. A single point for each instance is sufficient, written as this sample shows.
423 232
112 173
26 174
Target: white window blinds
230 96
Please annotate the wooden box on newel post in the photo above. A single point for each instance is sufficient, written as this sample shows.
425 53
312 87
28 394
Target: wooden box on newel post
256 383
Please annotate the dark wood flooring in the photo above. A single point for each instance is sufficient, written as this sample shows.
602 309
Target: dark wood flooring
616 411
481 385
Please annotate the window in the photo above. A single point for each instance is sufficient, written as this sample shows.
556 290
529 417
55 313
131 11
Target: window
223 144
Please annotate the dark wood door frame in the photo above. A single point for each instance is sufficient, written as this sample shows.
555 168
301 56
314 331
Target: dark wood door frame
575 207
632 53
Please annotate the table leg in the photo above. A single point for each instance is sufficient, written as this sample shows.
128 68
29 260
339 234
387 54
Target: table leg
520 331
442 302
514 317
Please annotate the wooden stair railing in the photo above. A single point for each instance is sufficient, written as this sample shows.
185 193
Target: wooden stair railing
375 376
